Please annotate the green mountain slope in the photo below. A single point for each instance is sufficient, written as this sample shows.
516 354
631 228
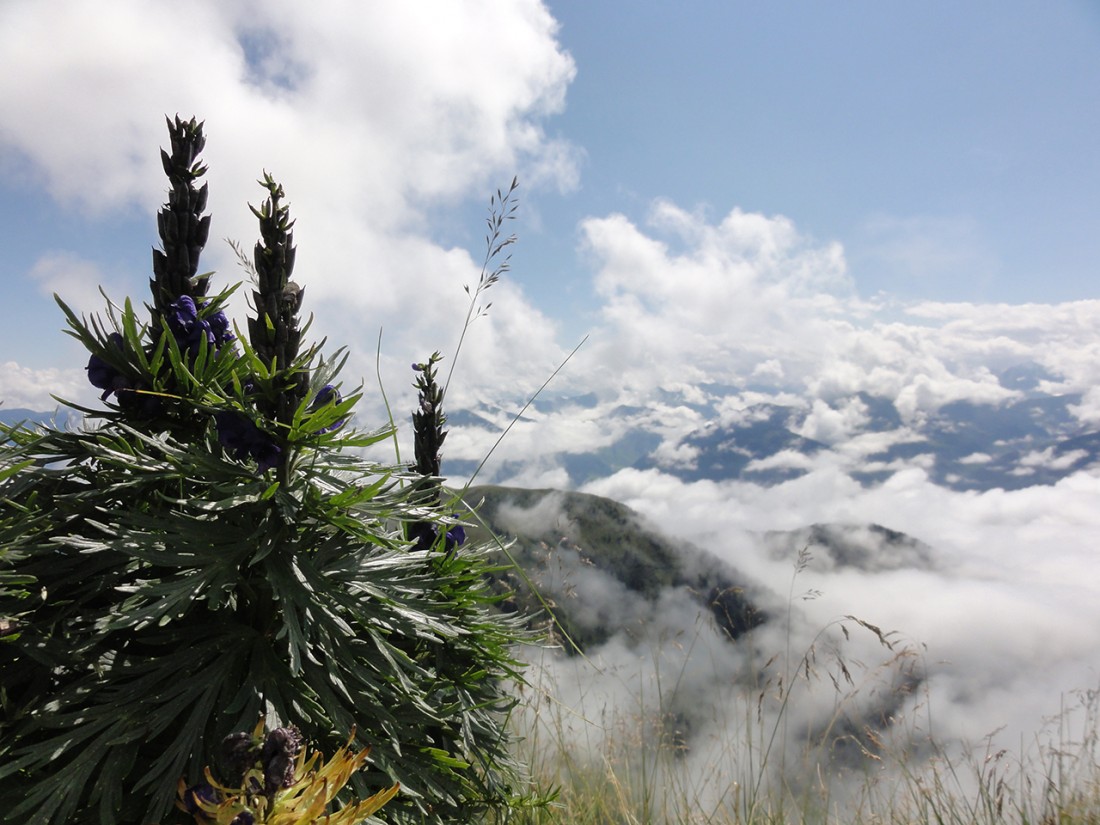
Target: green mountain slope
597 567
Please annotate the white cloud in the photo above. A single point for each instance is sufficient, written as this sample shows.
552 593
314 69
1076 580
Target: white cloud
771 369
747 302
75 280
830 425
747 298
399 109
976 458
1007 612
864 444
711 301
1088 411
1064 339
1047 459
671 455
540 475
782 460
371 117
23 387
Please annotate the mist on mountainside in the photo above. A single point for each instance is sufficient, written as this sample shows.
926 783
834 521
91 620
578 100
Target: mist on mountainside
797 637
645 629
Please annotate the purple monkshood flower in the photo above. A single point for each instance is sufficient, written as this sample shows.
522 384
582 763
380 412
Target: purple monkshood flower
277 755
328 394
105 377
183 321
239 753
243 439
204 792
426 535
190 331
219 326
455 537
184 314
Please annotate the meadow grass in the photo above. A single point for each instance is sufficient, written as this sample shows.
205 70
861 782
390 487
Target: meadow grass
630 764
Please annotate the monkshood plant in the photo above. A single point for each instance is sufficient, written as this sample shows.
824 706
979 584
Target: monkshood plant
212 547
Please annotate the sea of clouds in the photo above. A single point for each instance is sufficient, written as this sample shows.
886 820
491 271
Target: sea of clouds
991 620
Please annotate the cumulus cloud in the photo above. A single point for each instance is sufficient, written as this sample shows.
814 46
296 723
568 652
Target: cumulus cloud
749 300
1061 339
28 388
784 459
1004 594
1047 458
976 458
76 280
372 118
831 425
354 100
743 314
1088 411
693 301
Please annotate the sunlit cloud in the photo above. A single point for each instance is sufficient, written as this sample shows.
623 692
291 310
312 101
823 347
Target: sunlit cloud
373 120
77 281
34 389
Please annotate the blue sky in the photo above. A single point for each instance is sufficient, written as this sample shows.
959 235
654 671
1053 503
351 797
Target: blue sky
951 147
948 150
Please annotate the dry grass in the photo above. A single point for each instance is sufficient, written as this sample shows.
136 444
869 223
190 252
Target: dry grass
760 763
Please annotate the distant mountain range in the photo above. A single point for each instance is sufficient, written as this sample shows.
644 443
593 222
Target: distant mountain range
1033 439
763 436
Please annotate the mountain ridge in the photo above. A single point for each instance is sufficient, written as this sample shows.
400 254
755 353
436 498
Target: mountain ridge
1034 437
563 539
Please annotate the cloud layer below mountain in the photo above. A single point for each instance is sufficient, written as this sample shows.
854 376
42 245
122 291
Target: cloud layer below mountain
993 625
